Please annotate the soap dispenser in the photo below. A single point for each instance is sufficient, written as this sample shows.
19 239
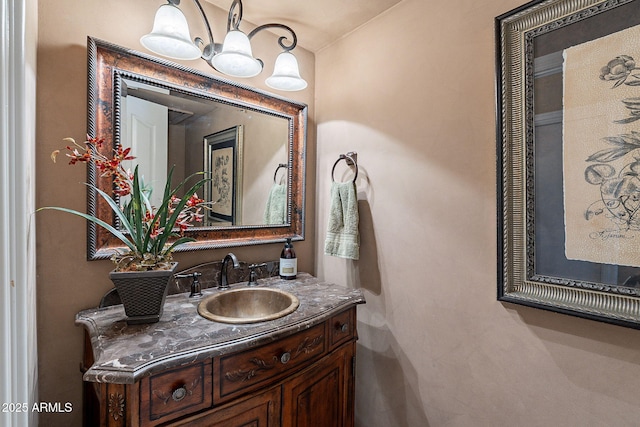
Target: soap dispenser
288 262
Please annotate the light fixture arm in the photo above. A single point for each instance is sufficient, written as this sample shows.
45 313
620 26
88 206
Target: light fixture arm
234 19
210 49
282 39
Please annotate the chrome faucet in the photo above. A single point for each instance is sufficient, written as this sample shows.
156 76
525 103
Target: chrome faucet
224 282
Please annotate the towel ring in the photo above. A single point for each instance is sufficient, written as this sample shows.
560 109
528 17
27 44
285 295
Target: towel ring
350 158
280 165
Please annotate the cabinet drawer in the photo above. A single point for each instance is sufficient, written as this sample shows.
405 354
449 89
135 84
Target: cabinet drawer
245 371
261 409
342 327
175 392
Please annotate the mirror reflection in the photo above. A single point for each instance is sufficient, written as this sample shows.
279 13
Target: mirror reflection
242 151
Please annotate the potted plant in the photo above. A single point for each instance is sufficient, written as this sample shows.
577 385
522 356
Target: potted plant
150 233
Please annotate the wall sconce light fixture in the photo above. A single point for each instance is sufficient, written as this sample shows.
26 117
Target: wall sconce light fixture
170 37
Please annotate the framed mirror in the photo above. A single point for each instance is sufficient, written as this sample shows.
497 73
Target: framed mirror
174 116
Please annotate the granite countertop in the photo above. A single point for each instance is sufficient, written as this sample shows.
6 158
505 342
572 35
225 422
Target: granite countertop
125 353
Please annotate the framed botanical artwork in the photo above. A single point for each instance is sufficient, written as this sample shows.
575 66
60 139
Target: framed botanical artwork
568 131
223 165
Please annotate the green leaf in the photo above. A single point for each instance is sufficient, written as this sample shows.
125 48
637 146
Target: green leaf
166 200
115 208
162 211
137 211
179 242
111 229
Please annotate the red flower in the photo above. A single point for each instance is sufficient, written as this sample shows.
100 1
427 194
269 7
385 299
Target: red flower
94 141
194 200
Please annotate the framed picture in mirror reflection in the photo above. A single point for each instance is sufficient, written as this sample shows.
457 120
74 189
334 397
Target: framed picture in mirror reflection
223 165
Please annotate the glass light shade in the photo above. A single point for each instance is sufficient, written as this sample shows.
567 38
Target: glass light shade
286 74
236 58
170 35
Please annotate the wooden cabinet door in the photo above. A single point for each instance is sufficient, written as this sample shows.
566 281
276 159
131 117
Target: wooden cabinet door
322 395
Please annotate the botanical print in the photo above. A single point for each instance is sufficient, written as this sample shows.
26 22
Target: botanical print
600 128
619 190
222 180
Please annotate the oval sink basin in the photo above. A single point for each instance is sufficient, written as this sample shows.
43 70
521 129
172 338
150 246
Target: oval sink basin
248 305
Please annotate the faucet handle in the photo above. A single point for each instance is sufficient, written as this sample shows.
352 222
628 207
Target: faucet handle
253 276
196 289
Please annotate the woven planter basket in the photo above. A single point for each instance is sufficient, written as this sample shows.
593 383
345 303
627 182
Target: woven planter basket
142 293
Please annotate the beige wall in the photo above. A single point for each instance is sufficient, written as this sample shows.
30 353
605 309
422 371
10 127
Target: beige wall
67 283
413 93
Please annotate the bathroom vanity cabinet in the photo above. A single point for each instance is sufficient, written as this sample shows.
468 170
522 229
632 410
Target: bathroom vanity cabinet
186 370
